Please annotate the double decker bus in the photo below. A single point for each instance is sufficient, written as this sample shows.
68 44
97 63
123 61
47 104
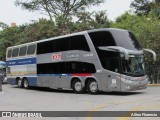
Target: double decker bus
105 59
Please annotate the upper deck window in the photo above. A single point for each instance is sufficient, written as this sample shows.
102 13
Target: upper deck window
102 38
31 49
126 40
15 52
79 43
23 51
63 44
9 54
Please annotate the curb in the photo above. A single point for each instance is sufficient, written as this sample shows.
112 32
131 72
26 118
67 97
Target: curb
153 85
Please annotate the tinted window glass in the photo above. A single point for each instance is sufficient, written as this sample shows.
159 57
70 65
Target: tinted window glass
80 67
65 67
79 43
9 53
109 60
45 47
62 44
22 51
126 39
15 52
62 67
50 68
102 38
31 49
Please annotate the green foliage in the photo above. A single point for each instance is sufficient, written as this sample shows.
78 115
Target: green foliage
38 30
146 7
87 20
9 37
142 7
3 25
156 9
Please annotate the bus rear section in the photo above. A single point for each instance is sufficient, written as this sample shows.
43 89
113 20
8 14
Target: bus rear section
21 65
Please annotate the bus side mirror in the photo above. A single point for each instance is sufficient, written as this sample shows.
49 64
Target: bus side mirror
153 53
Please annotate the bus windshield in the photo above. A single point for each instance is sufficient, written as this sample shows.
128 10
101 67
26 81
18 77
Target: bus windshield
134 66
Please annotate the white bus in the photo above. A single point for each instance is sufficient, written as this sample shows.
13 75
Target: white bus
105 59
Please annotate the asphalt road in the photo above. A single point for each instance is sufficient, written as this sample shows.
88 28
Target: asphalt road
42 99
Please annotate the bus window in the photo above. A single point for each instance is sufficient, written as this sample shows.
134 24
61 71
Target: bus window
102 38
15 52
62 44
31 49
48 45
22 51
79 43
9 54
109 60
62 67
48 68
88 68
80 67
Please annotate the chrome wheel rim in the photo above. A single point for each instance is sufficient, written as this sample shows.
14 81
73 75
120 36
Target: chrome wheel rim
78 86
93 86
19 83
25 83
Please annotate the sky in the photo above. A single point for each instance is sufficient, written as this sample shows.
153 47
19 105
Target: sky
9 13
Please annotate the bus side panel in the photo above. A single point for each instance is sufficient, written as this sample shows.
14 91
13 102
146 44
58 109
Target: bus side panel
11 81
32 81
54 80
22 68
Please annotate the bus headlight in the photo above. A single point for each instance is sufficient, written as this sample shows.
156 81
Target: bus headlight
128 87
125 80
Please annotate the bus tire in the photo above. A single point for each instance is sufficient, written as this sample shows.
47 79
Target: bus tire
20 83
92 86
77 86
25 83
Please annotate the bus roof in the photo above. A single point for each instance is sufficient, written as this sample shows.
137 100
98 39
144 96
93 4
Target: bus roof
69 35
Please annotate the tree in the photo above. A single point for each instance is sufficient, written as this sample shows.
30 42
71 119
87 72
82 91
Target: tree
54 8
37 30
3 25
156 9
91 20
9 37
141 7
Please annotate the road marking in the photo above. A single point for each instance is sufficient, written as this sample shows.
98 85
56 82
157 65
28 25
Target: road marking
95 109
118 103
103 106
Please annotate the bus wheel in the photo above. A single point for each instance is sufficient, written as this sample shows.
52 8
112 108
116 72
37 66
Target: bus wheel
19 83
92 87
77 86
25 83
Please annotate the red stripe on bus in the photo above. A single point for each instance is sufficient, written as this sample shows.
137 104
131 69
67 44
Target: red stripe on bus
81 74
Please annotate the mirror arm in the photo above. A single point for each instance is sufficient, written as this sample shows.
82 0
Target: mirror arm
116 48
152 52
